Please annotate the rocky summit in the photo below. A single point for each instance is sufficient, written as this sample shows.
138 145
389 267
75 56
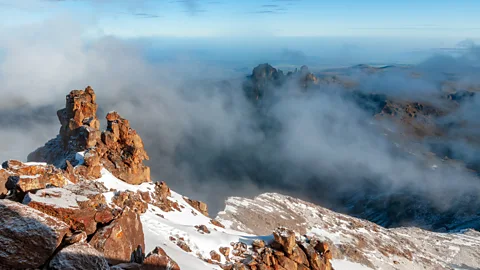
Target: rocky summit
85 200
119 148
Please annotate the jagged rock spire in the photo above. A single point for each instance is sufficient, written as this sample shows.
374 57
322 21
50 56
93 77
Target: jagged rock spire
125 153
119 149
80 125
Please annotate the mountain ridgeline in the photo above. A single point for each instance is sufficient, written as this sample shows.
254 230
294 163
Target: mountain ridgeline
440 188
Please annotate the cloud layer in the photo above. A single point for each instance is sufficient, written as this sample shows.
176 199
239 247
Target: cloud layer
204 137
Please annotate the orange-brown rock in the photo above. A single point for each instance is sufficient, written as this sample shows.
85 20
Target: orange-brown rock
89 170
120 238
132 200
286 263
124 153
217 223
79 121
80 212
284 253
119 149
4 175
159 260
23 177
317 261
215 256
299 256
285 238
225 251
257 244
181 244
198 205
202 229
159 197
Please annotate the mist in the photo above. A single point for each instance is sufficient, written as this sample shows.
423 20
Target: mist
205 138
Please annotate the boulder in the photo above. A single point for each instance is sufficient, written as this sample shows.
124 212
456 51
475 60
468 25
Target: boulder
78 256
258 244
159 197
4 175
286 239
225 251
198 205
130 199
120 238
217 223
284 253
28 237
299 256
80 212
215 256
286 263
202 229
159 260
24 177
316 260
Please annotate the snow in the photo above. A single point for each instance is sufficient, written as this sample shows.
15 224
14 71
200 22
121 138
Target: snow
164 229
35 163
111 182
337 238
159 226
58 197
79 157
30 176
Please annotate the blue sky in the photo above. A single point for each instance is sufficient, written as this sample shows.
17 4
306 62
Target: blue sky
445 19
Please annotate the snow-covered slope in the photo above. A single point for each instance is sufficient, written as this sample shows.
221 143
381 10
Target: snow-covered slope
355 240
166 229
356 244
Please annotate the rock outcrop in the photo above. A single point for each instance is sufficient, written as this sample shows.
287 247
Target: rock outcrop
64 206
159 260
20 178
119 240
28 237
79 130
286 251
264 78
356 240
124 153
79 121
119 148
80 212
198 205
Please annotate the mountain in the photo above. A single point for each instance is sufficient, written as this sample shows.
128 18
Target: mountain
85 200
431 129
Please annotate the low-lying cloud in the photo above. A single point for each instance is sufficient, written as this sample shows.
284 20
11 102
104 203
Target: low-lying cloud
205 139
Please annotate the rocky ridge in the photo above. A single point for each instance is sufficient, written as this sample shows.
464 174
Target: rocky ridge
88 203
354 239
85 200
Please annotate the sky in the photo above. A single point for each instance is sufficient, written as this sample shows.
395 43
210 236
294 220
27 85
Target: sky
448 20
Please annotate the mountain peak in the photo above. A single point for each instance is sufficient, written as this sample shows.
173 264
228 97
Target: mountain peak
119 148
